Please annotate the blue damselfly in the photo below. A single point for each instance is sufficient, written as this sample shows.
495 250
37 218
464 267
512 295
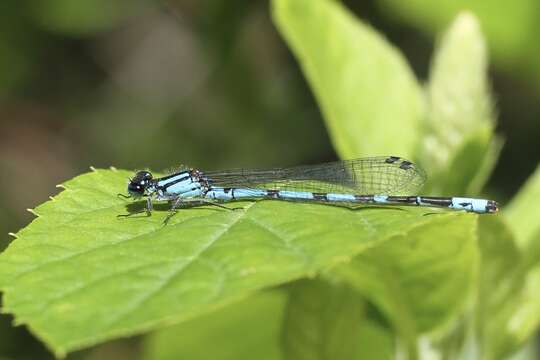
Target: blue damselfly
385 180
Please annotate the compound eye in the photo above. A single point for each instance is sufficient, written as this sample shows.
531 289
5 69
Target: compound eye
143 175
135 189
146 175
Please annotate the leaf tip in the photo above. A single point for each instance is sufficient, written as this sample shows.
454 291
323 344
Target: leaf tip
467 18
466 25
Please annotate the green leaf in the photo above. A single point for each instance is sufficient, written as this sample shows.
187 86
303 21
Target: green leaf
486 165
508 308
525 320
421 280
522 213
248 329
376 340
328 321
461 120
367 93
501 278
78 275
455 342
471 165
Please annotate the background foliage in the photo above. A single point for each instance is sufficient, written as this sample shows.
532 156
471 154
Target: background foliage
138 84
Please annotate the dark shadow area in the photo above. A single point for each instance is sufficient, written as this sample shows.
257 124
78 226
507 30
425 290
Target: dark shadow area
17 343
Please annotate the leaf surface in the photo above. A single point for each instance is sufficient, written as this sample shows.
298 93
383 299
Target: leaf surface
421 279
508 310
248 329
331 321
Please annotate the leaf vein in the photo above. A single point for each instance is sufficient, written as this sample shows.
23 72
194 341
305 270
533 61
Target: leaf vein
137 302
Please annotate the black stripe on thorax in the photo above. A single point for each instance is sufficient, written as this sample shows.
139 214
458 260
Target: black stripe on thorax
167 177
165 186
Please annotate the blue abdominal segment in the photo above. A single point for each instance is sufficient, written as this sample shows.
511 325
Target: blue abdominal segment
341 197
228 194
380 199
469 204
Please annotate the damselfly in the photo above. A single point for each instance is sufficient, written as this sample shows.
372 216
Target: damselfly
387 180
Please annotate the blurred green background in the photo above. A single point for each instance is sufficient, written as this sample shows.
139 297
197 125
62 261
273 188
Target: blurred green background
138 84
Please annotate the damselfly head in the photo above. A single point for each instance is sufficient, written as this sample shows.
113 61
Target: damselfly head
138 185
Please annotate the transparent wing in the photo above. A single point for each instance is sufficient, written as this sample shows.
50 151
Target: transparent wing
375 175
